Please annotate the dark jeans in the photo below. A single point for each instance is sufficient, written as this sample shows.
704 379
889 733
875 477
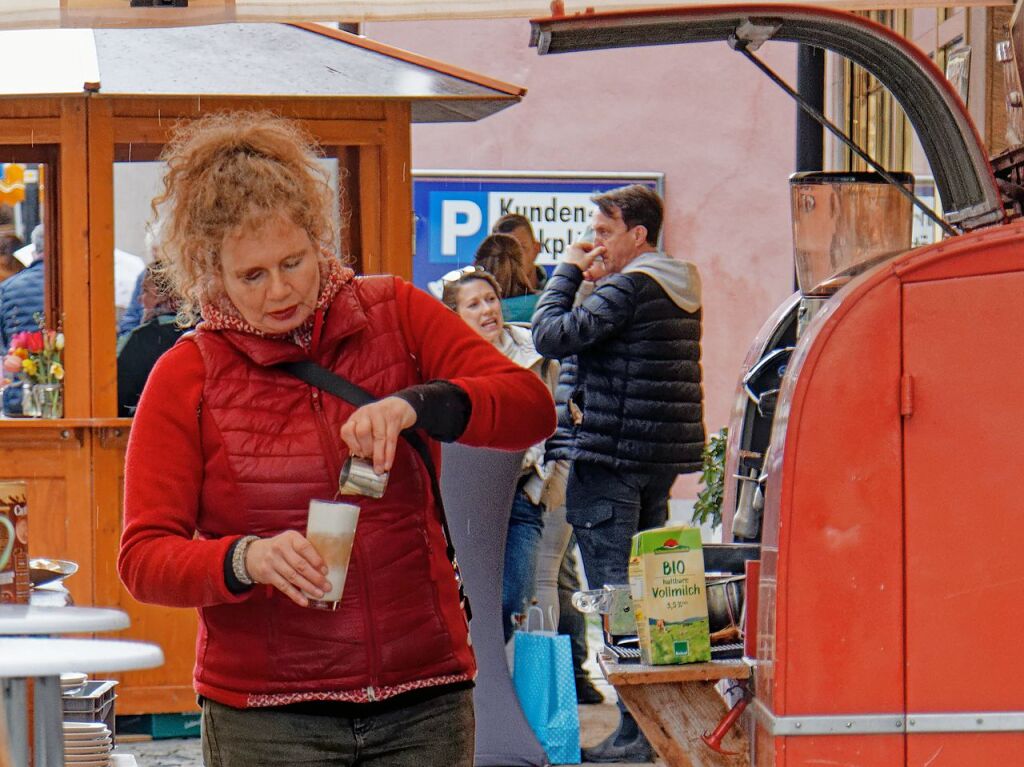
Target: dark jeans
525 527
437 732
606 508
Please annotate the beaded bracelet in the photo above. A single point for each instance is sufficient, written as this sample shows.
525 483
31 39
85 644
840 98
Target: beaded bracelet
238 560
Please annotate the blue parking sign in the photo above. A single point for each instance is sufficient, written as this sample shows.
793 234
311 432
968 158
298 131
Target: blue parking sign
455 210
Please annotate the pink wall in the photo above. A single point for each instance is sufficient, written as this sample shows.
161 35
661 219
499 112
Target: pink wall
719 131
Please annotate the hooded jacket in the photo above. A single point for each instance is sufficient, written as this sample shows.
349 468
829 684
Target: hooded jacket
629 395
224 444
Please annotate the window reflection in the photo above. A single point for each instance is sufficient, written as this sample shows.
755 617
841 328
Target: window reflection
25 252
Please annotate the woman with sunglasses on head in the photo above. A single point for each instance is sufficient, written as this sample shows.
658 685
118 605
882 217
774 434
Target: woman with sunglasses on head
475 295
227 449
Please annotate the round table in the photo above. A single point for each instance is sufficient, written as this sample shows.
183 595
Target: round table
37 656
44 659
25 620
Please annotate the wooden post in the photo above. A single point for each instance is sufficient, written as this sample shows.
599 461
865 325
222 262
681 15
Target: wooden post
396 202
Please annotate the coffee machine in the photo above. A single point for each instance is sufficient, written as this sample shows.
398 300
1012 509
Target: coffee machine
843 224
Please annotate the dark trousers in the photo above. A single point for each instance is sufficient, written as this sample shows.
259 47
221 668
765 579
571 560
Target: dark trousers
437 732
606 508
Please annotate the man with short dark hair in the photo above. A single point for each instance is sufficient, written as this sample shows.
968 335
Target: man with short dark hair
519 227
629 397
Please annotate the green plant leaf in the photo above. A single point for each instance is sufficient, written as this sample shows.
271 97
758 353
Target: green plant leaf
709 498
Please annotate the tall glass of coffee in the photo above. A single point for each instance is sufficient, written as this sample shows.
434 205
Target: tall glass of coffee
331 528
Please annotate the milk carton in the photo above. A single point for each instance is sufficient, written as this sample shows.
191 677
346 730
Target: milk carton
14 575
666 579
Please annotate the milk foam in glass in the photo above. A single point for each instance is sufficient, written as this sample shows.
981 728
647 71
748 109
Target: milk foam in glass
331 528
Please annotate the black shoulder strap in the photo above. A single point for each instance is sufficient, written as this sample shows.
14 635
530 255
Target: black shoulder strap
331 382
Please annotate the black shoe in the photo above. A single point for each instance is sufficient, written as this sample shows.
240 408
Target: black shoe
607 751
586 693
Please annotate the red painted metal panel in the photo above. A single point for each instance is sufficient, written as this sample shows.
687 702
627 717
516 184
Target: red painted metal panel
848 751
764 672
1004 749
752 586
964 507
1001 246
839 611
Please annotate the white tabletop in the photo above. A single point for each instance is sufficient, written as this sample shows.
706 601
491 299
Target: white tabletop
50 657
22 620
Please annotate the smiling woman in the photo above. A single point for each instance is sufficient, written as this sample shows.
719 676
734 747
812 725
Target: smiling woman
247 240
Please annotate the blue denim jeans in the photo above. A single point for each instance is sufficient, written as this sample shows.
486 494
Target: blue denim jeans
525 526
606 509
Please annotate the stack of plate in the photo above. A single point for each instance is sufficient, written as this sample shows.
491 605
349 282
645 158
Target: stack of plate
72 683
87 744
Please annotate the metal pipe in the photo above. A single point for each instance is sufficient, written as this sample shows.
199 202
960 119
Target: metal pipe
810 84
14 694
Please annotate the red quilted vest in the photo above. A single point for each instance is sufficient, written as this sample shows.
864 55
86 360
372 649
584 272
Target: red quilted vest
399 625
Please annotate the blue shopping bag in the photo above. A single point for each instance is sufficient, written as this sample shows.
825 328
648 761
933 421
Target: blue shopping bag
543 677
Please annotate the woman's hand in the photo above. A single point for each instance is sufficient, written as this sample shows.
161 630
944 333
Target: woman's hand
372 431
289 563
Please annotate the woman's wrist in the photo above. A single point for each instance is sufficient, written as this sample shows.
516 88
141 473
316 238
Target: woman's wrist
236 574
442 408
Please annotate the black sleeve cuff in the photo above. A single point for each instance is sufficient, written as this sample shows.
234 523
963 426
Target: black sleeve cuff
234 585
442 409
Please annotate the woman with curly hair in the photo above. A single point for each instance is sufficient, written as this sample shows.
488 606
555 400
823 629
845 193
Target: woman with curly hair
227 449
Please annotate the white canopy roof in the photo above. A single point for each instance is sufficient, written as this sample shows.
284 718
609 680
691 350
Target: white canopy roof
267 60
98 13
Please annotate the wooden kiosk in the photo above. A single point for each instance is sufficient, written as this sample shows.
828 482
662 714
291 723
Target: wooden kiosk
111 96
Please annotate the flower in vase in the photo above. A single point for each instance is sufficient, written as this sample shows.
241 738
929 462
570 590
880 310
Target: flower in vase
34 342
36 356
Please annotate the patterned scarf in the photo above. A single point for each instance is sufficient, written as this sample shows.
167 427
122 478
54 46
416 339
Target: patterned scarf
222 314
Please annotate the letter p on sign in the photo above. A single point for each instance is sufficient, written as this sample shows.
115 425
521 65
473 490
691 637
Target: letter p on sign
459 218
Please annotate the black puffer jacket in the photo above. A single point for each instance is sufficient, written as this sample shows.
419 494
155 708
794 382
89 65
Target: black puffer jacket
630 359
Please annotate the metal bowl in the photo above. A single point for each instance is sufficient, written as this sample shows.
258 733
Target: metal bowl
42 571
725 601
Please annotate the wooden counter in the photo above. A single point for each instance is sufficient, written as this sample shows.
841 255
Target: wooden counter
675 705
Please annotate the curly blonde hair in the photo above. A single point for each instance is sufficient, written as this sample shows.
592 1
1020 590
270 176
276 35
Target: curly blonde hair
229 171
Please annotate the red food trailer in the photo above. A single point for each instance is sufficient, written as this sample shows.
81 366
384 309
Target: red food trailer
885 454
